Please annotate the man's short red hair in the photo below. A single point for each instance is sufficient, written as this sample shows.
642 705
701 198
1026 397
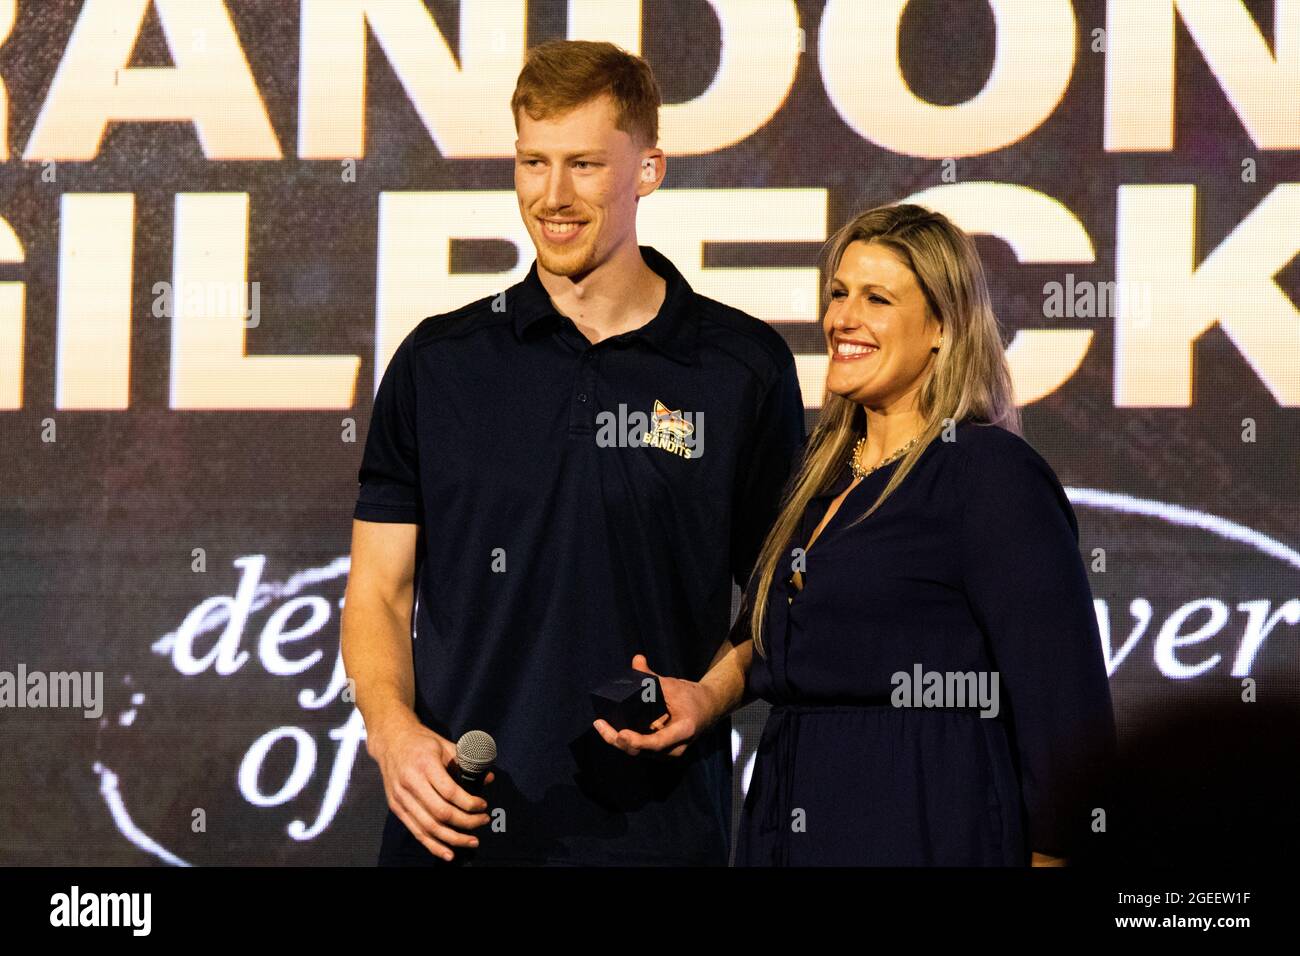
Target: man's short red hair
560 75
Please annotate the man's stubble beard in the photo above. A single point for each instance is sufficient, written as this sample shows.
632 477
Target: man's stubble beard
571 263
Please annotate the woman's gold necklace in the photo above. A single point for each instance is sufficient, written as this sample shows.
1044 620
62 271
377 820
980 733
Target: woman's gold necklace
860 472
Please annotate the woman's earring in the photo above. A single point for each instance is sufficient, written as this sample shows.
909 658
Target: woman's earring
939 346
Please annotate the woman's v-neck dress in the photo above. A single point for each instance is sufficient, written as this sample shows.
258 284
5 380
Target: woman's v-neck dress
970 568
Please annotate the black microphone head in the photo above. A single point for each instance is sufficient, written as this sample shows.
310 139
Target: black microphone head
475 752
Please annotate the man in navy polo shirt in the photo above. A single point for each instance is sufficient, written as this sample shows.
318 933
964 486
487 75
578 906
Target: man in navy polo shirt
555 480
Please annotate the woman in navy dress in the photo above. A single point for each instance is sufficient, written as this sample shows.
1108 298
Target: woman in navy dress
927 637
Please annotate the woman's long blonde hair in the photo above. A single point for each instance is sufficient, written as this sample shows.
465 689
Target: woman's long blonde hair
969 377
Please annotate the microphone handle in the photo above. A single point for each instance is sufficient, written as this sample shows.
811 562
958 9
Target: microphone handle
470 783
473 785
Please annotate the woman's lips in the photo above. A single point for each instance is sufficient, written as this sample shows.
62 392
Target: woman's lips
853 351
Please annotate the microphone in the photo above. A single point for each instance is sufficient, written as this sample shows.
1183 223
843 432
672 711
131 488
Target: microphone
475 752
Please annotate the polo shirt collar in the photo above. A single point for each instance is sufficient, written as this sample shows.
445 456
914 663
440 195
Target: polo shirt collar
672 331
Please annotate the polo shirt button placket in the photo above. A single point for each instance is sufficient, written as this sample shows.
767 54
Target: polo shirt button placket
580 414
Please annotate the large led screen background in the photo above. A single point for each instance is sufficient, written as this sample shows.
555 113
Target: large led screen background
218 220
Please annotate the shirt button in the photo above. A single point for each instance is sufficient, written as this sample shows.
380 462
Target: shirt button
582 397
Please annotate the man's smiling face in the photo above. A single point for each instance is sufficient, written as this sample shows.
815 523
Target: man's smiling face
578 178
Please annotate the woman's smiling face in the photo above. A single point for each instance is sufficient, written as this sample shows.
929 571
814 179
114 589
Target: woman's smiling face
878 328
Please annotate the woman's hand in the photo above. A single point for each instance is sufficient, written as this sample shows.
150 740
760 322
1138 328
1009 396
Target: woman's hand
1042 859
692 709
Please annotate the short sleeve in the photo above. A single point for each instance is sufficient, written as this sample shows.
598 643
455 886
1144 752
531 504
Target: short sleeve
1028 590
389 476
766 463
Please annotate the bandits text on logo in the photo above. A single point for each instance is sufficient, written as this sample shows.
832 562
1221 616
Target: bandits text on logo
672 430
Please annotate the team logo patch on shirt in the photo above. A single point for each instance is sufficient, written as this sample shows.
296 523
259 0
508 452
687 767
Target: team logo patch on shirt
671 420
671 431
668 429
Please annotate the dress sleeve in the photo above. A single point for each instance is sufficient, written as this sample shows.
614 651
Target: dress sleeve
389 476
1028 591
